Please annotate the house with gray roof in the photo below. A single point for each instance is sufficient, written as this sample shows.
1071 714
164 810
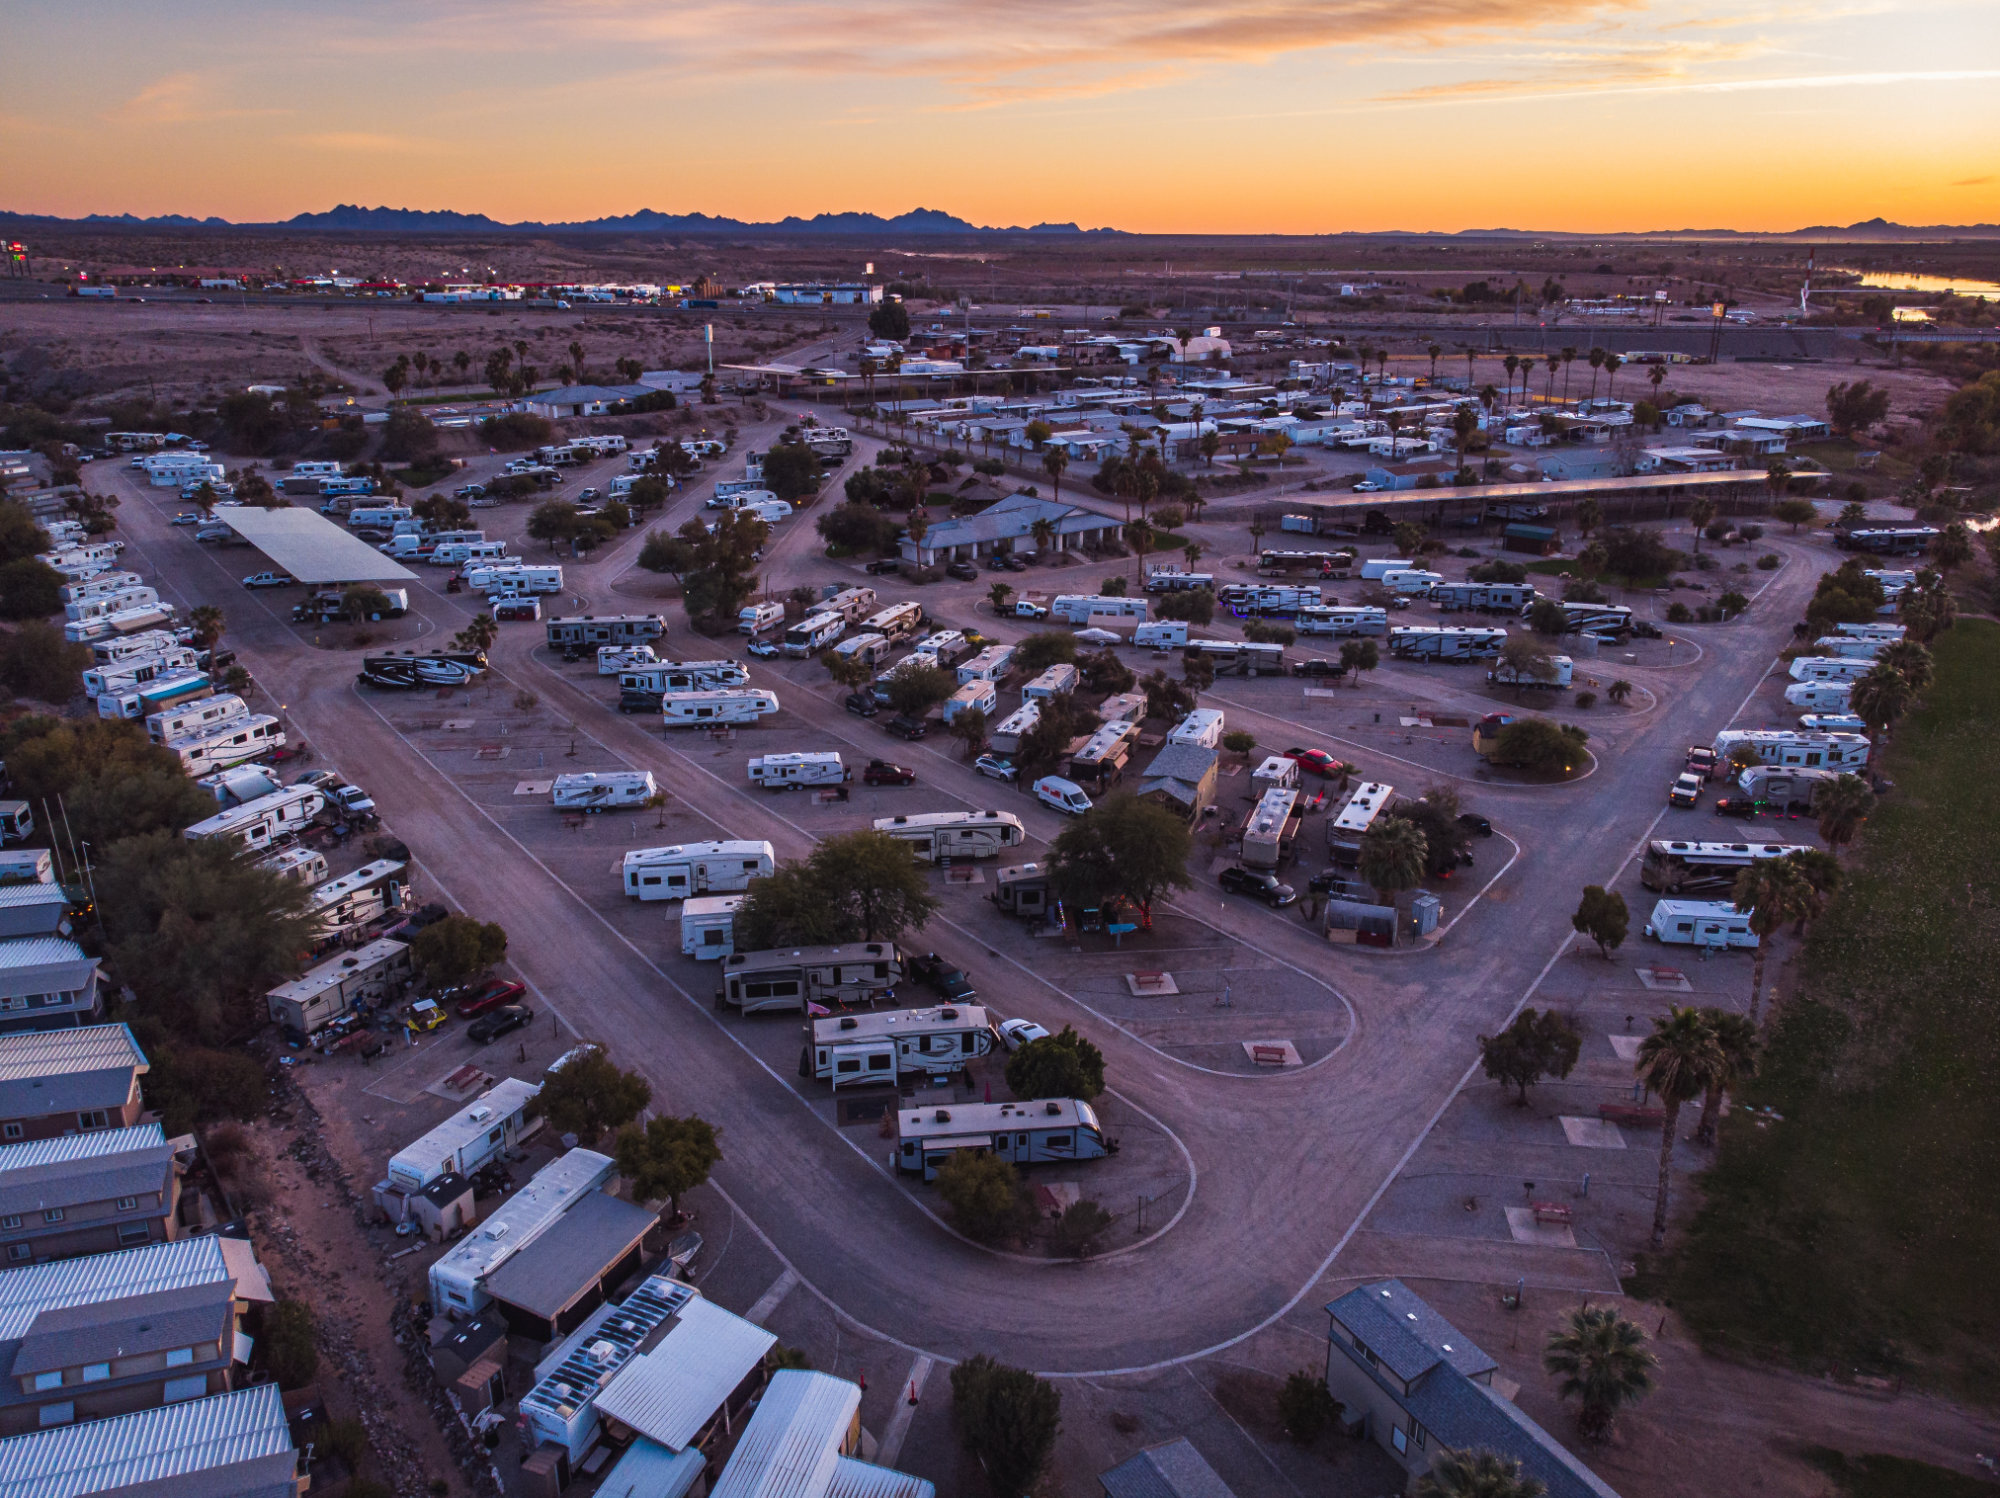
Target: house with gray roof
1422 1388
55 1082
233 1445
1181 776
46 983
89 1193
33 910
91 1338
803 1442
1173 1470
1010 521
583 400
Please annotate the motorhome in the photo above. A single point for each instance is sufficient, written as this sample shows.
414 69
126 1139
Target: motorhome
797 978
602 790
1162 634
184 718
674 873
868 648
794 772
813 634
1342 619
888 1048
758 617
1165 581
1484 598
157 695
1005 736
974 696
1787 746
1911 540
683 676
256 825
613 659
731 706
1022 890
1446 642
897 622
947 647
1700 923
300 865
611 629
851 604
456 553
1560 669
206 750
1046 1131
990 664
1694 868
1203 726
937 835
1080 608
1239 657
353 900
1260 599
1272 826
708 926
1829 668
1596 618
1820 696
1058 680
1347 827
1783 787
99 605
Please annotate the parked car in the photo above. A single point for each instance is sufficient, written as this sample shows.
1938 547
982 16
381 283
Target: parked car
188 517
764 650
905 727
1015 1033
424 1015
1644 630
267 580
882 772
1318 668
965 572
352 799
1701 761
1028 609
1472 821
1685 791
997 766
1273 891
317 777
1315 762
489 995
883 566
949 982
863 704
502 1020
1011 563
587 494
469 491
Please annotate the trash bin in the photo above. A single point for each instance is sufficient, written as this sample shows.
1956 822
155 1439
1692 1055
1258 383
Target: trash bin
1425 910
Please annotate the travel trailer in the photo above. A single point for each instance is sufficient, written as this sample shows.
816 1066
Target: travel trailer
1446 642
1700 923
674 873
699 709
794 772
256 825
795 980
1047 1131
885 1049
602 790
708 926
938 835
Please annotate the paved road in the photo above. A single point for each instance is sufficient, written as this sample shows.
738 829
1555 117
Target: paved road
1285 1165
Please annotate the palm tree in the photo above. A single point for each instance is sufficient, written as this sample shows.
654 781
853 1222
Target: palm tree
1257 530
1393 856
1928 609
1619 690
1568 358
1478 1474
1603 1362
1192 551
1210 444
1596 363
1819 879
1880 698
1434 350
1054 461
1463 425
1909 658
1044 532
998 595
1776 478
1676 1062
1736 1041
1842 805
1140 537
1700 514
1469 376
1657 375
1612 364
1512 364
1770 890
206 622
1555 362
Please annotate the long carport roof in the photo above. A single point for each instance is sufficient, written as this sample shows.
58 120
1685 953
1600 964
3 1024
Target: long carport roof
312 548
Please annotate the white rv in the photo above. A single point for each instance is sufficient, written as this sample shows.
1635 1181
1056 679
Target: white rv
513 580
1269 598
1786 746
794 772
612 659
130 670
456 553
1820 696
684 869
241 785
1846 647
797 978
135 647
1058 681
1047 1131
1700 923
939 835
898 621
708 926
1829 668
1342 619
609 629
945 647
124 622
99 586
758 617
1203 726
1496 598
738 705
884 1049
1873 631
1162 634
602 790
256 825
1080 608
118 601
1347 827
973 696
1006 735
813 634
868 648
989 665
851 604
231 742
683 676
1411 582
140 699
355 899
1446 642
1784 785
302 865
1562 671
186 717
1268 833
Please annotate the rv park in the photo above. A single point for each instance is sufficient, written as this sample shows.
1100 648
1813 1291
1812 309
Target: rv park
1400 889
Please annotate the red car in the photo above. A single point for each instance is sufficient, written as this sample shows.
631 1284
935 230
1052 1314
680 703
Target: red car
881 772
1315 762
489 995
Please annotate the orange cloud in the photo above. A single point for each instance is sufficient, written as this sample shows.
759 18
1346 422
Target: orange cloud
179 99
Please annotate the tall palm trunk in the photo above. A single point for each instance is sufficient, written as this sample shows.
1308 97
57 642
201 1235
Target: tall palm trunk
1757 980
1711 1107
1668 1129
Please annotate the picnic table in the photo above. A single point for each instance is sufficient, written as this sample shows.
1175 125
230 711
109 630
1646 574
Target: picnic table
1551 1212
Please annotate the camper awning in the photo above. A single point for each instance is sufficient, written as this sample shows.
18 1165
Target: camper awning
312 548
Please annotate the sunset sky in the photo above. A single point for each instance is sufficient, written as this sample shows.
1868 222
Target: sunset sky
1226 116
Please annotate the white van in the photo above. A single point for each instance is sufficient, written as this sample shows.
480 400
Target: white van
1064 795
794 772
759 617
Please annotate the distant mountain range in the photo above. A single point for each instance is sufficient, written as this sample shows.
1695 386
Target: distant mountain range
350 218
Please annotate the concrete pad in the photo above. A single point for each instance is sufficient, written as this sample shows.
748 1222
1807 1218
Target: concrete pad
1592 1133
1521 1223
458 1085
1626 1047
535 788
1151 985
1664 980
457 725
1272 1053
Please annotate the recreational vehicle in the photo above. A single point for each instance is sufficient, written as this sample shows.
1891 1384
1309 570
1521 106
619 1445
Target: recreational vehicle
241 785
897 622
708 926
683 676
1596 618
1080 608
355 899
947 647
1058 681
736 705
1342 619
99 586
124 622
137 670
868 648
1272 826
612 629
1268 598
514 580
674 873
132 647
231 742
612 659
301 865
1693 868
1874 631
989 665
1203 727
1043 1132
1100 763
937 835
1843 647
17 822
795 979
602 790
1161 634
850 603
813 634
885 1049
1560 668
1484 598
1347 827
1006 735
1022 890
184 718
1820 696
1831 668
1241 657
794 772
158 695
1123 707
103 605
1786 746
757 617
1445 642
1374 570
1700 923
1784 786
370 976
1166 581
1325 563
974 696
256 825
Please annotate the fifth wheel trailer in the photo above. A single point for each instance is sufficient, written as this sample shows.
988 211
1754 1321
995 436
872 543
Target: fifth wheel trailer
1790 747
684 869
1047 1131
256 825
1446 642
955 834
886 1048
230 742
798 978
594 791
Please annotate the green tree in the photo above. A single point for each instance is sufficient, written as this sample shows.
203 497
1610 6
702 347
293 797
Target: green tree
1533 1046
1527 659
1731 603
716 569
1547 617
554 521
1736 1048
1677 1062
1357 656
1306 1407
1194 606
1121 849
1409 538
36 661
1603 918
667 1157
1393 856
442 512
848 671
1842 805
1239 741
970 728
1602 1362
1772 892
1854 408
1539 744
408 436
590 1095
359 601
1952 548
1046 648
1063 1065
1478 1474
1700 513
1909 660
1055 462
854 886
859 528
1037 432
1105 672
1589 516
791 471
982 1194
890 320
1927 609
1165 697
1000 595
29 589
291 1343
1619 690
1007 1419
21 536
457 949
1794 512
112 781
1880 698
915 690
1079 1228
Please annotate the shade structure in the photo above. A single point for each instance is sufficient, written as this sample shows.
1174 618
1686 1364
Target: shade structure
312 548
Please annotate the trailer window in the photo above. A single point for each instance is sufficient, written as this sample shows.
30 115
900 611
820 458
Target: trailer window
845 1068
880 1063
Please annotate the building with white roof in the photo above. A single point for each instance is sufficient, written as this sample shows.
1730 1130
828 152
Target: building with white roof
800 1444
458 1279
475 1134
227 1446
55 1082
700 1371
89 1193
46 983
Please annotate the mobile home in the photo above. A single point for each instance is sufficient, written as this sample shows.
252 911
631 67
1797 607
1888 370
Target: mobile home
794 772
937 835
1046 1131
373 975
989 665
708 926
1123 707
794 980
737 705
974 695
674 873
885 1049
256 825
602 790
1700 923
1446 642
1203 726
1100 763
1058 681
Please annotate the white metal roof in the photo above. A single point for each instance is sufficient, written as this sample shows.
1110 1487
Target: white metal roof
174 1442
857 1479
670 1393
528 1212
961 1119
468 1125
647 1470
72 1147
43 964
846 1029
792 1444
28 1291
22 895
36 1054
312 548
